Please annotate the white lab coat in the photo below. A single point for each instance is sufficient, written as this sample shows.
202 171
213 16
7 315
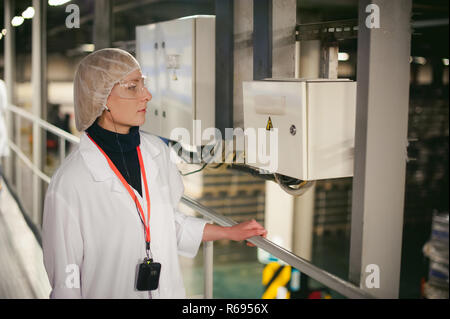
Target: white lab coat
91 223
4 148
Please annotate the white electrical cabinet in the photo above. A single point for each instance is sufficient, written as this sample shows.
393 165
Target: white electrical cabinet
315 121
178 58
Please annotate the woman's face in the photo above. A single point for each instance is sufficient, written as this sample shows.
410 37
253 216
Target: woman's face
127 103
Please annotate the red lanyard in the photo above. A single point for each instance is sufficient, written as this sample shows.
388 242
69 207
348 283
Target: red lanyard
132 194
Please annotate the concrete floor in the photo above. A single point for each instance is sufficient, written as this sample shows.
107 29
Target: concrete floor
22 272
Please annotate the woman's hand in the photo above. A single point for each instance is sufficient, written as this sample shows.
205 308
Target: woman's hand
246 230
237 232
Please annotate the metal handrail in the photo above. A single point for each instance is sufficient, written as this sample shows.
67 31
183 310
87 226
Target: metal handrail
339 285
63 135
44 124
29 163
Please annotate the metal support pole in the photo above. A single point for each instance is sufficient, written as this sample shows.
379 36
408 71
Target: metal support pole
307 54
208 268
274 45
103 24
380 146
309 64
17 163
224 64
284 22
262 39
62 149
10 78
39 104
329 60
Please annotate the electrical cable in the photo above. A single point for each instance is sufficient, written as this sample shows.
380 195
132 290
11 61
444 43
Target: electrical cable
290 185
299 190
181 152
196 171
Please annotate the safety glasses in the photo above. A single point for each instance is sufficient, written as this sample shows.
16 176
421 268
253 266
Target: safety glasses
133 89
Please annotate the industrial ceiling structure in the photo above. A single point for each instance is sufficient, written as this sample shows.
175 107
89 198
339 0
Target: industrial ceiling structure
430 21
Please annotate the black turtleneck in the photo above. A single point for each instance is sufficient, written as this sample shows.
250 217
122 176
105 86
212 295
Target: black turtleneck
107 140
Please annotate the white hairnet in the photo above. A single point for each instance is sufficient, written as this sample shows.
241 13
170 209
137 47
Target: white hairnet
95 77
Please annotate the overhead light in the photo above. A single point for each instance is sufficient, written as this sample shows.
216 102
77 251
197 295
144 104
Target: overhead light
88 47
343 56
57 2
196 16
4 31
16 21
445 61
419 60
1 36
28 13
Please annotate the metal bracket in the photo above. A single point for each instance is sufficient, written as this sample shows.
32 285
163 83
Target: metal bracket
330 31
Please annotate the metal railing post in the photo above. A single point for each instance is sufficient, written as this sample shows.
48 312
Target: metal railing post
37 189
18 182
62 149
10 75
208 268
39 105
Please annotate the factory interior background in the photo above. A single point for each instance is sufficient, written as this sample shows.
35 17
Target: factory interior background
238 269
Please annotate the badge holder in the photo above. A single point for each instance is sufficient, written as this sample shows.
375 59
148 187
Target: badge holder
148 275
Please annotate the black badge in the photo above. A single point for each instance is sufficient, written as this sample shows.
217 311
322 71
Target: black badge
148 275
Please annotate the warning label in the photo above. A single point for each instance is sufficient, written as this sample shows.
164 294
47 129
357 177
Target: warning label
269 125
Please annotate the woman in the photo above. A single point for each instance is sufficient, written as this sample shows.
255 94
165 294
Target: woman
110 210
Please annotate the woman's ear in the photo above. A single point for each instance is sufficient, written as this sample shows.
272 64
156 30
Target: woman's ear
109 101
